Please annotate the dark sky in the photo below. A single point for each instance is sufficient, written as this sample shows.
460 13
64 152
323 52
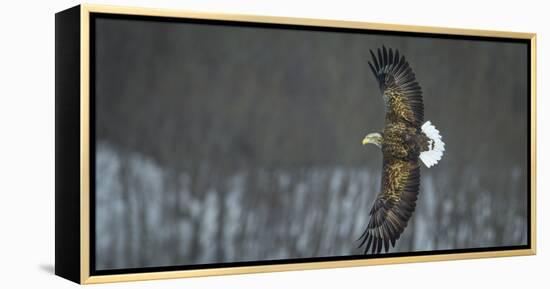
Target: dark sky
297 97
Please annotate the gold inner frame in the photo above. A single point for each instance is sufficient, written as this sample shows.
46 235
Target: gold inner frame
85 276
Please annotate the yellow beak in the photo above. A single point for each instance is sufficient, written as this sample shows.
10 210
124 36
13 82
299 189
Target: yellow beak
365 141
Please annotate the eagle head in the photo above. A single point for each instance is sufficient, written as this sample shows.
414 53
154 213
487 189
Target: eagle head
373 138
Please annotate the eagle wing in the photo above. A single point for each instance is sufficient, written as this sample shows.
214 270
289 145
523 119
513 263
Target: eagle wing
402 94
394 206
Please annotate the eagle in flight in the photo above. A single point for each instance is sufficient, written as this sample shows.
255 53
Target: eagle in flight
405 141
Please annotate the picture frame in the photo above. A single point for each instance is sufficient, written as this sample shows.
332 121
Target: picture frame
76 116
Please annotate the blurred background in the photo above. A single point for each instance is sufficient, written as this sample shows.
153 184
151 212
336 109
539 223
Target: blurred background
225 144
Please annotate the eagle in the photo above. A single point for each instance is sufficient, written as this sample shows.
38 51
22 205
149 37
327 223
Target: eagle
406 141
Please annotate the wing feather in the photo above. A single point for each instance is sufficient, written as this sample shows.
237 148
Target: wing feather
398 84
394 206
376 65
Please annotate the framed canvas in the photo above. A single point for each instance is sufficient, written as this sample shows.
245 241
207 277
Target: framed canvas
194 144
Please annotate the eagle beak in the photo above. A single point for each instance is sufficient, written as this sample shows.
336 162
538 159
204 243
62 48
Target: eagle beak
365 141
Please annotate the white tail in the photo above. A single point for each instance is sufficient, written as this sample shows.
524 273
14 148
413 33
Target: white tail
436 145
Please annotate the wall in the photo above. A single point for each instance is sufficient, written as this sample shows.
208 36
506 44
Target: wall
27 134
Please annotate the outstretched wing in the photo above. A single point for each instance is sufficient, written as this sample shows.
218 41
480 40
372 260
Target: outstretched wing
394 206
402 94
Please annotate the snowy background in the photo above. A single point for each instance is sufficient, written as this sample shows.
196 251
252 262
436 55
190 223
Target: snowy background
219 144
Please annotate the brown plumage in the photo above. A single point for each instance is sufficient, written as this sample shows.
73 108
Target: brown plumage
402 141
